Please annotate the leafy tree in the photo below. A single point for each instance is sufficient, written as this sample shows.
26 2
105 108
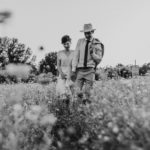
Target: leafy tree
48 64
119 65
11 51
143 69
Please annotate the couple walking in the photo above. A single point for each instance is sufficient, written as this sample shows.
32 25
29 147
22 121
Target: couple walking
79 64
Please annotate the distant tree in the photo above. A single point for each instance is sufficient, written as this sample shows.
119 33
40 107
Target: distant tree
11 51
125 72
148 66
119 65
143 69
48 64
111 73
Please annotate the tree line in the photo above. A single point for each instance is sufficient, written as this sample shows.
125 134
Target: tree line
123 71
14 52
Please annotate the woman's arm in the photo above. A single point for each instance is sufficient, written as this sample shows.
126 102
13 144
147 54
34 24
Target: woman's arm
59 66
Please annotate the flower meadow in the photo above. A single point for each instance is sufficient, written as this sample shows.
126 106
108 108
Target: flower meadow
33 117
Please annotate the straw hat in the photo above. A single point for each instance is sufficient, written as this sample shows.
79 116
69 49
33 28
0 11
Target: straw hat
87 28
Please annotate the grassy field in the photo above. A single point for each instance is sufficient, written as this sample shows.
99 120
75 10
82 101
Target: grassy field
33 117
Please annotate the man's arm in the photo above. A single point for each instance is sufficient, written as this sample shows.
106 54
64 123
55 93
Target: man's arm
76 57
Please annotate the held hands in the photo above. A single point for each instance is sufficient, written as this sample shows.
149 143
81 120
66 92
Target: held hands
63 76
73 76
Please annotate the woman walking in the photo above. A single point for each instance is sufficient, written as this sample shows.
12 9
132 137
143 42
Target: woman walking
64 61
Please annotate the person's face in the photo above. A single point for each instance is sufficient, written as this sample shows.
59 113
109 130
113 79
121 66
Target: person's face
67 45
88 35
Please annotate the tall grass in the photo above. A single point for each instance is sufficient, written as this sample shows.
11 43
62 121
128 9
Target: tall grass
33 117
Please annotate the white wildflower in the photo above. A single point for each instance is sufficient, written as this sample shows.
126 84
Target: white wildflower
120 137
115 129
47 140
31 116
19 70
100 136
17 109
106 138
110 124
103 132
84 138
71 130
36 109
12 141
48 119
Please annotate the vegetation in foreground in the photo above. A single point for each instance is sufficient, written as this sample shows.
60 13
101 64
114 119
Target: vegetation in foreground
33 117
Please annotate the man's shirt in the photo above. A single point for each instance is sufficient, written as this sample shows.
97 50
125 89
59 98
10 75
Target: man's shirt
92 58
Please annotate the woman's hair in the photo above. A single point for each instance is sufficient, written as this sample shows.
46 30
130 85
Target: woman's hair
65 39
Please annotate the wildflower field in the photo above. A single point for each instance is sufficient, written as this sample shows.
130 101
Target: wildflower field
33 117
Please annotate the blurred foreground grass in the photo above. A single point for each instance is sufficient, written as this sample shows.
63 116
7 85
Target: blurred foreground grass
33 117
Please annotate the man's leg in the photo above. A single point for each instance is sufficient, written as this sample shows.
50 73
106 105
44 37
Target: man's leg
89 85
87 89
87 77
80 83
80 80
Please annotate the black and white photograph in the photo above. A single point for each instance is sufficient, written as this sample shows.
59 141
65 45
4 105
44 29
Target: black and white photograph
74 74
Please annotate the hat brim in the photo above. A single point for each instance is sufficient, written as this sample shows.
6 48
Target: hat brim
87 30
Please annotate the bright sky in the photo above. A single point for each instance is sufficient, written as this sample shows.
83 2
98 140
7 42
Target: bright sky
122 25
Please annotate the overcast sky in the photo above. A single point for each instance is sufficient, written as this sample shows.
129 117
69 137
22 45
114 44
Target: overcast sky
122 25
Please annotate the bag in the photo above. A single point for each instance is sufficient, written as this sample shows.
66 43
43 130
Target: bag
96 64
102 46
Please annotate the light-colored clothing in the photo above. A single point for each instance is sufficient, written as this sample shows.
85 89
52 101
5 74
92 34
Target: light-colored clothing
78 60
85 80
87 75
63 86
65 60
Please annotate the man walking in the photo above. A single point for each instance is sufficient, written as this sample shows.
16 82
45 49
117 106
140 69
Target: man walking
88 54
